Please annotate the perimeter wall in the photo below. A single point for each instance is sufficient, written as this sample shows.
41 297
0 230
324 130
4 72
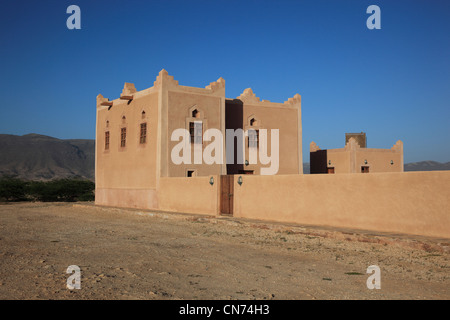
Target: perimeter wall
405 202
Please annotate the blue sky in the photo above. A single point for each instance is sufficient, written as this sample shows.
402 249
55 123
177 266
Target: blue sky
393 83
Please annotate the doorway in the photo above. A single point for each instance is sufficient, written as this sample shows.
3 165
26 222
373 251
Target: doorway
226 194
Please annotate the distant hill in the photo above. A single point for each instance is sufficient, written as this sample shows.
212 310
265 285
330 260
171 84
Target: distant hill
39 157
427 166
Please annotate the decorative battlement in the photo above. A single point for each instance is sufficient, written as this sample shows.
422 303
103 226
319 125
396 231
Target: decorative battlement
128 89
398 146
313 147
352 144
219 84
163 76
294 100
101 101
249 97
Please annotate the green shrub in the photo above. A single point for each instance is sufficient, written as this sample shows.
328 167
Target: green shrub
12 189
67 190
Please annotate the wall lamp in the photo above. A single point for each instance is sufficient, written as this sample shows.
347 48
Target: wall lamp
240 180
211 181
246 162
365 161
392 162
329 162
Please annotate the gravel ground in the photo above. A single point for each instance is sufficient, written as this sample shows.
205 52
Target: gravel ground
135 254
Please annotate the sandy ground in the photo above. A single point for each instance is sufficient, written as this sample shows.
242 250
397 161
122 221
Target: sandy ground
132 254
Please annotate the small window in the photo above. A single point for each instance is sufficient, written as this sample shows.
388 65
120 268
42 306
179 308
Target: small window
195 114
190 173
143 135
365 169
107 140
107 123
196 132
143 115
253 138
253 122
124 119
123 137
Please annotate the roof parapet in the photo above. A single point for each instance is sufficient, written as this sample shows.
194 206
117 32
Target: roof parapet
128 91
248 96
220 83
163 76
313 147
297 99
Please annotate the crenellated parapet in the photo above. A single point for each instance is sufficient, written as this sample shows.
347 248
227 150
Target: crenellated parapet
313 147
102 101
164 77
398 146
249 97
352 144
216 85
297 99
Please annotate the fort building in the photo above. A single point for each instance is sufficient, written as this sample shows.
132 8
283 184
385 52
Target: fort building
134 136
355 157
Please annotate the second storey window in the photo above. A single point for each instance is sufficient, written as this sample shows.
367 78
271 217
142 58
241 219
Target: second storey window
123 137
107 140
196 132
253 136
143 136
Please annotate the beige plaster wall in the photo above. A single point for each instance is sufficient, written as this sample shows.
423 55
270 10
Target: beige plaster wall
132 167
286 117
127 198
378 160
410 202
189 195
180 104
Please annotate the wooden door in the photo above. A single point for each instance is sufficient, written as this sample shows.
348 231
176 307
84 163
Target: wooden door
330 170
226 196
365 169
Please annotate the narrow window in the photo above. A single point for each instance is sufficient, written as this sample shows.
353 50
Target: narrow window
190 173
196 132
143 136
195 114
365 169
107 140
253 136
123 137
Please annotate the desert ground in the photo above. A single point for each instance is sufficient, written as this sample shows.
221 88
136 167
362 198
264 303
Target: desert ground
136 254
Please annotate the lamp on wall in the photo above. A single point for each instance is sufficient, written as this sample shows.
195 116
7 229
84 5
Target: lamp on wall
365 161
240 180
211 181
329 162
392 162
246 162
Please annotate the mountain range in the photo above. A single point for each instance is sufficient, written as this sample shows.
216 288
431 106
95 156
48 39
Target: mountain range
38 157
